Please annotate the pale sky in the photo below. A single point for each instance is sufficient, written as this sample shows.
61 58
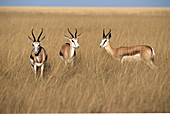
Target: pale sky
87 3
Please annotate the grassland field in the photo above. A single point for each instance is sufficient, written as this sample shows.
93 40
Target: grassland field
97 82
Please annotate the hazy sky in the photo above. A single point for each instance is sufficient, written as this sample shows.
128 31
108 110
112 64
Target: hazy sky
87 3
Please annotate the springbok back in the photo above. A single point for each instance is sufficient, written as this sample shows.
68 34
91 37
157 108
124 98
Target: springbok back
38 55
125 53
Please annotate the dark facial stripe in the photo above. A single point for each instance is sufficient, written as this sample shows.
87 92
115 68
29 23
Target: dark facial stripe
104 42
73 42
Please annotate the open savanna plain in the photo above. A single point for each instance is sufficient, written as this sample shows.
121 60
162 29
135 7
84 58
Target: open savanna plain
97 82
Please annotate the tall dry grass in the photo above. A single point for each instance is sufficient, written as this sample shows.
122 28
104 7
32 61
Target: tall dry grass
97 82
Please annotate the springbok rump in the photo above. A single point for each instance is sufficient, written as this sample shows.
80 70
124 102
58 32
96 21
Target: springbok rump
67 52
38 55
133 53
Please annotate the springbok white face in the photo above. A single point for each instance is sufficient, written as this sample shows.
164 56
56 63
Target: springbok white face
74 43
105 40
36 44
36 47
104 43
74 39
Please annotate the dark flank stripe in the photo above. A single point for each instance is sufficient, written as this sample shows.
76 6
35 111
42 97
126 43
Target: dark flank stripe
31 57
68 44
152 59
131 54
46 58
74 53
61 54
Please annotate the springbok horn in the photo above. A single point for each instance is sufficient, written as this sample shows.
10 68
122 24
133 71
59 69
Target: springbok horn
70 33
33 35
103 33
40 35
76 33
108 33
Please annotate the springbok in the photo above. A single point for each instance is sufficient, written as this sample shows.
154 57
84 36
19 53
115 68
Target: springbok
38 55
67 52
124 53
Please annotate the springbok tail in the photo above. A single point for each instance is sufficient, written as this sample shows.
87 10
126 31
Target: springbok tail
153 54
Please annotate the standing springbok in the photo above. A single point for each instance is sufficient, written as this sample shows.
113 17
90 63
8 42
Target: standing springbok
124 53
67 52
38 55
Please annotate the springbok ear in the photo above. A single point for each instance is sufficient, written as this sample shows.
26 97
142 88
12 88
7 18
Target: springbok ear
42 39
66 37
109 36
79 36
30 39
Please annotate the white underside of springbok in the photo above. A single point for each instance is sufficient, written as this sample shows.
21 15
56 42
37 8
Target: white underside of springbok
37 64
136 57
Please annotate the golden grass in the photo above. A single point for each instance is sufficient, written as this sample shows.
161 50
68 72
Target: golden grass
97 82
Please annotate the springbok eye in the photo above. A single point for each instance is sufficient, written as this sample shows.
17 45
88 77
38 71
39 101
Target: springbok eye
32 44
72 40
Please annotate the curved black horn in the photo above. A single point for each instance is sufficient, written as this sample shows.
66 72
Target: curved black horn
70 33
76 33
103 33
108 33
40 35
33 35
